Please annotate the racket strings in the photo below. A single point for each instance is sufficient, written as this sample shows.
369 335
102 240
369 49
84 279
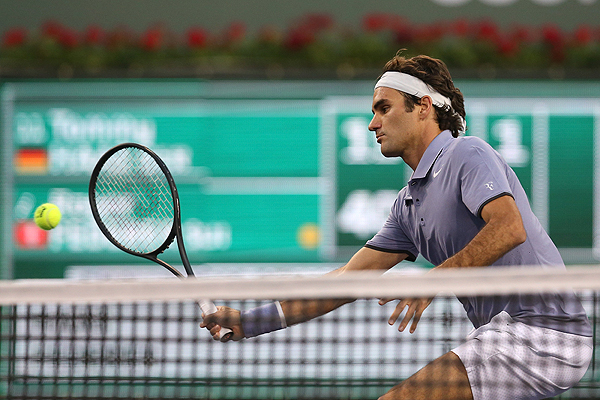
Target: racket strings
134 200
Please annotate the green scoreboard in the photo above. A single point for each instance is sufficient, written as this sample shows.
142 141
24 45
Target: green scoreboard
551 143
271 172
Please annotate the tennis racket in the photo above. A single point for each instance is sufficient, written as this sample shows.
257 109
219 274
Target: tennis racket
135 203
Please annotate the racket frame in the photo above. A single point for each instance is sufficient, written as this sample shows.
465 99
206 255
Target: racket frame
176 233
175 228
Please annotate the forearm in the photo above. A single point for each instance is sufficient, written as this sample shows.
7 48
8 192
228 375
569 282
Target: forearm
494 240
483 250
298 311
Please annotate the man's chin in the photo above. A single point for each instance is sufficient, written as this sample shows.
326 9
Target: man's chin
389 154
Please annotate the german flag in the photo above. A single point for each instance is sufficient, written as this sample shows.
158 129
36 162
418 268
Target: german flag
31 161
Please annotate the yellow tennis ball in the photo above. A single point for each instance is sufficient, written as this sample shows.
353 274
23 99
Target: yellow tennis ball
47 216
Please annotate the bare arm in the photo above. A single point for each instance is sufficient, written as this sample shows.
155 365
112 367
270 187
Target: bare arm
298 311
502 232
365 259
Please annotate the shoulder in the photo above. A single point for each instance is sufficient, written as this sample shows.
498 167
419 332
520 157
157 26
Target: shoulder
471 149
466 144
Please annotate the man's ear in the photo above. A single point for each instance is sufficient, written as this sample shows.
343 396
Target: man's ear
425 107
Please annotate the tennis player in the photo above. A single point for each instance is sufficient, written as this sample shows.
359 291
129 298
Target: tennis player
463 207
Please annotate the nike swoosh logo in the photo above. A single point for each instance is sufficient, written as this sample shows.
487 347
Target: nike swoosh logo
435 173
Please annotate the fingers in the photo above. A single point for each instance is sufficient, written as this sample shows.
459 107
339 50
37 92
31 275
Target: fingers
224 317
211 326
215 332
410 313
206 319
397 311
416 319
415 310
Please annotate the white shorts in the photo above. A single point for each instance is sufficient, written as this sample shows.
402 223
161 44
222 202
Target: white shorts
510 360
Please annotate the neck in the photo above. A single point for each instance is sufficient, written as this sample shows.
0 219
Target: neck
413 159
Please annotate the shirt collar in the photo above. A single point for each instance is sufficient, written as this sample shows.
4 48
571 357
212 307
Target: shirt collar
431 154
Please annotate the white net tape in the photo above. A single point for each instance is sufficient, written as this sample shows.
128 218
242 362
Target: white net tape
364 285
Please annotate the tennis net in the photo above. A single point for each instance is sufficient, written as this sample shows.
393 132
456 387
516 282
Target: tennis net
130 339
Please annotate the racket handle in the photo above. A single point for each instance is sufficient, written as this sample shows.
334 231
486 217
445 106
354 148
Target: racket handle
208 307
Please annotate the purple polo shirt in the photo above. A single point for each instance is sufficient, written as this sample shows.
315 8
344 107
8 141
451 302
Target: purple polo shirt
439 212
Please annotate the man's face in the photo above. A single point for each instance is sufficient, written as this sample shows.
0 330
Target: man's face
395 128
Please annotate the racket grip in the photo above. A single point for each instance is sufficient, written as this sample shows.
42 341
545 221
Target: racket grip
208 307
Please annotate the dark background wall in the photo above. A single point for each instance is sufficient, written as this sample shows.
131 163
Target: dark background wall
179 15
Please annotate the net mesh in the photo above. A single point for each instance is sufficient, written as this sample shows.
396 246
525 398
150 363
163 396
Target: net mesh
127 339
134 200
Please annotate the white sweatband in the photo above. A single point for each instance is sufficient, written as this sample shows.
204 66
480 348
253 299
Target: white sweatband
281 315
414 86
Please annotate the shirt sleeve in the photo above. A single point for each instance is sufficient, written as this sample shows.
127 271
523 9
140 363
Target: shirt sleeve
484 177
391 237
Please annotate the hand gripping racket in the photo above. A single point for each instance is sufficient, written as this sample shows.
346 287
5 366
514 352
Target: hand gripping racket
135 203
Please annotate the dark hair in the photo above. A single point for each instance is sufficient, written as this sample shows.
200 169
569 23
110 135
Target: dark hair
434 73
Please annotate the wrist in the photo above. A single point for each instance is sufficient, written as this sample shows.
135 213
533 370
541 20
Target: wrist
263 319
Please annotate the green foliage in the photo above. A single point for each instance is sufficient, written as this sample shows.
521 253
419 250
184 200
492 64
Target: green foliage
315 43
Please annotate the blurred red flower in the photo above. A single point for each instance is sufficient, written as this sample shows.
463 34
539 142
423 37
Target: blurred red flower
14 37
461 28
507 46
152 39
299 38
235 32
68 38
520 33
316 22
404 32
94 35
487 30
376 22
552 34
52 29
554 37
583 35
197 38
431 32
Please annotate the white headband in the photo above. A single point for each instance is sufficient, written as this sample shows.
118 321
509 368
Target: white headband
414 86
411 85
